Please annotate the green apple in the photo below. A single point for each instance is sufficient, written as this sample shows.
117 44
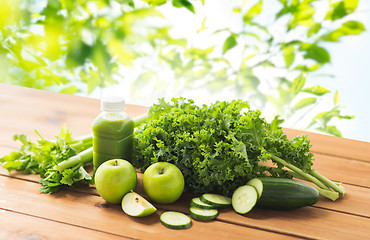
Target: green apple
163 182
135 205
114 179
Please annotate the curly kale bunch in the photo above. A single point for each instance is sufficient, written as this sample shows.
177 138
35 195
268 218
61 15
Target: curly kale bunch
219 147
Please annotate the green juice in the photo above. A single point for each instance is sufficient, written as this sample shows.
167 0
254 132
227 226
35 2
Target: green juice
112 137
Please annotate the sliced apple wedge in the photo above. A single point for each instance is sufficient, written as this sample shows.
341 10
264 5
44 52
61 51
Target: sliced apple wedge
135 205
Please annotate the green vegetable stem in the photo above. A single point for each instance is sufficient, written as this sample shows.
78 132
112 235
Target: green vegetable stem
81 158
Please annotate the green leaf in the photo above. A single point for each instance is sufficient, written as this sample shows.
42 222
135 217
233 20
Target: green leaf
182 42
198 53
306 68
68 4
302 14
304 103
253 11
237 9
70 90
348 28
331 129
67 178
130 3
289 55
298 84
346 116
336 98
340 9
316 90
254 35
351 5
315 28
155 2
82 174
323 118
203 26
77 53
229 43
183 3
92 79
102 59
314 52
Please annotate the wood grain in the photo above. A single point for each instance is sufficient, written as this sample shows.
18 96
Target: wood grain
343 169
17 226
335 146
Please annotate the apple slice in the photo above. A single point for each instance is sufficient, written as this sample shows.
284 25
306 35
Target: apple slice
135 205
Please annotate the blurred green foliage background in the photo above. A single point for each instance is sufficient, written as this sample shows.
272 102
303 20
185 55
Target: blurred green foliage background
271 54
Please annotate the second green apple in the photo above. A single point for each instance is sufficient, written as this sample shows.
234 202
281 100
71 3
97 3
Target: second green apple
163 182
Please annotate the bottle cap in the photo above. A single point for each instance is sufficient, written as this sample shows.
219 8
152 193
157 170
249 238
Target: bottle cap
113 104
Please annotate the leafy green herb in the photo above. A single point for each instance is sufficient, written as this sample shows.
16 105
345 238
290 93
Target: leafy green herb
43 156
221 146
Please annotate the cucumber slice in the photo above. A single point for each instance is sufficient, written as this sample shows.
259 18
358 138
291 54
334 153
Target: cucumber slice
203 214
257 184
215 200
244 199
175 220
195 202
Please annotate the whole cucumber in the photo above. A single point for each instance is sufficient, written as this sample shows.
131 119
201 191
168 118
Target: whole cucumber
283 193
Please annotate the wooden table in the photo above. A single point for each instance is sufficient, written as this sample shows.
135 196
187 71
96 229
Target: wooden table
80 213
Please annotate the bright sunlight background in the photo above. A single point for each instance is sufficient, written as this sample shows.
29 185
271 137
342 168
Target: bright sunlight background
350 63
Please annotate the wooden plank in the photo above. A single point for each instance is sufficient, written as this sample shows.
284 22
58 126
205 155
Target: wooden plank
355 202
90 211
343 170
310 222
16 226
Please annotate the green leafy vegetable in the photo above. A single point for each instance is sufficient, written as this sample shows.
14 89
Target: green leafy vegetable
221 146
45 158
229 43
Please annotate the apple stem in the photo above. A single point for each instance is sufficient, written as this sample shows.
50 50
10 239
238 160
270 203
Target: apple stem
116 162
162 170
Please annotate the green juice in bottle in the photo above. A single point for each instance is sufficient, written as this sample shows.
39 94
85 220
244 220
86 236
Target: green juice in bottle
112 132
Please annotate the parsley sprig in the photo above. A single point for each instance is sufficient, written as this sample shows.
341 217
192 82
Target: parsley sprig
45 157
